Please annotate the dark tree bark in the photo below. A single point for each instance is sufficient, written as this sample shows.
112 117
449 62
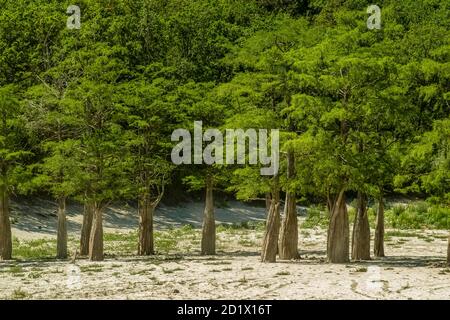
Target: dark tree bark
361 231
338 232
378 249
5 226
88 216
288 247
96 237
270 241
146 210
209 223
61 239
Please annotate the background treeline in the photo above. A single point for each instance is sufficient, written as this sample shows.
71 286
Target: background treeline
88 114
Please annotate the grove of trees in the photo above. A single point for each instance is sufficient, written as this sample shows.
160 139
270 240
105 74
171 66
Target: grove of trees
87 114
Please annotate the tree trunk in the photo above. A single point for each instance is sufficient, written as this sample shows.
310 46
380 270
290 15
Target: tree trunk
338 232
361 231
448 251
268 202
88 216
378 249
5 226
96 237
270 242
61 240
288 247
329 203
146 211
209 223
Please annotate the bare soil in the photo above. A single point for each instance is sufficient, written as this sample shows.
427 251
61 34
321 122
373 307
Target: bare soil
413 269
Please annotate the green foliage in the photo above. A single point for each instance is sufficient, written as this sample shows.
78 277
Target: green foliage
316 217
418 215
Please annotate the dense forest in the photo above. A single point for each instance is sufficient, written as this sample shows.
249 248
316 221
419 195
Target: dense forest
87 113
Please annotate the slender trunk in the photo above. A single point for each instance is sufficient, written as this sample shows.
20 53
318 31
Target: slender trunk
354 228
146 211
288 246
329 203
338 232
270 242
5 226
268 201
96 237
61 240
88 216
361 231
209 223
378 249
448 251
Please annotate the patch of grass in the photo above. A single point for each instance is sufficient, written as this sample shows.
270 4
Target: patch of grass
91 268
361 269
215 270
216 263
119 236
305 233
19 294
36 269
283 273
246 243
34 249
243 280
34 275
246 268
399 233
440 236
121 243
171 270
115 265
166 244
137 272
245 225
185 230
165 241
15 269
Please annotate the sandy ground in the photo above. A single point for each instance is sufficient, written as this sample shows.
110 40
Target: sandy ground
413 269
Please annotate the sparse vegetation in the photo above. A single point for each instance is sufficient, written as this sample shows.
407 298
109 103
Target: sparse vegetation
20 294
